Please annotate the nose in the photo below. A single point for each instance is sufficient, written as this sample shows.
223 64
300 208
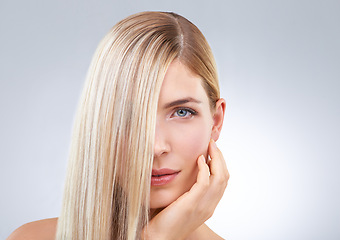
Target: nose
162 145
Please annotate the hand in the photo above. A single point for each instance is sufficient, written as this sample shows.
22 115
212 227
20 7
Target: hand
193 208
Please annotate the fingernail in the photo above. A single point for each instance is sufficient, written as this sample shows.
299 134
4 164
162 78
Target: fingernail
202 158
213 143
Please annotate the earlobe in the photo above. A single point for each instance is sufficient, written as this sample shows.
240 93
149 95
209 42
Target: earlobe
215 134
218 118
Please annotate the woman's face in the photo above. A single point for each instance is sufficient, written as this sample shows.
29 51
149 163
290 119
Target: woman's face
183 131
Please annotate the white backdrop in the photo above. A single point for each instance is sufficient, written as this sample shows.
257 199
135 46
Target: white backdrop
279 69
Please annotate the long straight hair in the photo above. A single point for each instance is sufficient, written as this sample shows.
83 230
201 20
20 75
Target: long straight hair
107 185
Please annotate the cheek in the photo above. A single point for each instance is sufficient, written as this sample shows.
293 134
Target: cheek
192 140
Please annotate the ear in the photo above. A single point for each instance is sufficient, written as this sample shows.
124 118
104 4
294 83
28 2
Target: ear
218 117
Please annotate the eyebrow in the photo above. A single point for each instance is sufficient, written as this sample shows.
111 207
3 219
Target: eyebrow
181 101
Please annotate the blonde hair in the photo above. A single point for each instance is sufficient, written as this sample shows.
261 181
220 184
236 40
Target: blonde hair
108 179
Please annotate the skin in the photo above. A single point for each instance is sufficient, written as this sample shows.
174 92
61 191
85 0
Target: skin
181 136
180 208
39 230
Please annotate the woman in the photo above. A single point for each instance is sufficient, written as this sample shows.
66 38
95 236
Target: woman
143 161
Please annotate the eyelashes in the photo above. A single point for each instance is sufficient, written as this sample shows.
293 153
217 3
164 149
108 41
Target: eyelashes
184 112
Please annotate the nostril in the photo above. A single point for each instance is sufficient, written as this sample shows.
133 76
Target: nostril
161 149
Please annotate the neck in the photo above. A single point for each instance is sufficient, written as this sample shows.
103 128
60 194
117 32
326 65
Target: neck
198 233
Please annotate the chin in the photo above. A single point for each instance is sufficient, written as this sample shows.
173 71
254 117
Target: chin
161 198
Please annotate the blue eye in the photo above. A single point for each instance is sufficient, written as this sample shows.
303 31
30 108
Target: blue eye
183 112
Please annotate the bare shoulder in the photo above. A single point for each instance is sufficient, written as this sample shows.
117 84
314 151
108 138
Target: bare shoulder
38 230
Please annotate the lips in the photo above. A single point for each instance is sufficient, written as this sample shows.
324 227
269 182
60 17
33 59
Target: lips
163 176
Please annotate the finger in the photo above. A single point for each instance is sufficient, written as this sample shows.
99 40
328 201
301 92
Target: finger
218 177
217 161
218 167
202 182
203 171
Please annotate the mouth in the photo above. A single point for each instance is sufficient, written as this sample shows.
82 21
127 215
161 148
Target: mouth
163 176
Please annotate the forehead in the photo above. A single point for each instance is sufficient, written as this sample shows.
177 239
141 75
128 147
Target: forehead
179 82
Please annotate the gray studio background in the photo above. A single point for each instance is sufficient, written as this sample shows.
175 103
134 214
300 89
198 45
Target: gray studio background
279 70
